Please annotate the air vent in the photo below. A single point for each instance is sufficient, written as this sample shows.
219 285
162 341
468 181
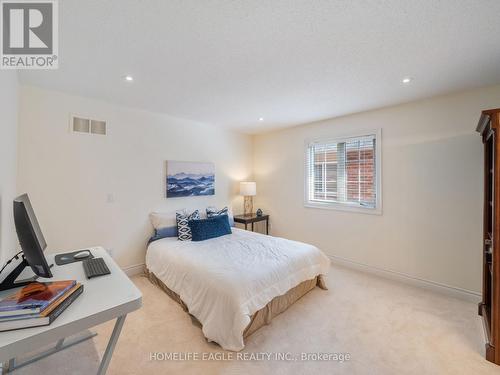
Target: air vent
83 125
98 127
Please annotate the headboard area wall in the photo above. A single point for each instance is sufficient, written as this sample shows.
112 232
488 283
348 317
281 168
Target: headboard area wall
100 189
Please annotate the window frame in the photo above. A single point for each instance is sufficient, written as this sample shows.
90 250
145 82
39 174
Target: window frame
377 210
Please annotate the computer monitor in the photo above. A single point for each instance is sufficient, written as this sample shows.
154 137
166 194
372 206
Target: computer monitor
30 236
32 243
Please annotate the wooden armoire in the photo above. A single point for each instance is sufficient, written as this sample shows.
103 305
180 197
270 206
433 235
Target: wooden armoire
489 308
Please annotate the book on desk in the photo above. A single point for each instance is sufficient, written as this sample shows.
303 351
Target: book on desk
37 304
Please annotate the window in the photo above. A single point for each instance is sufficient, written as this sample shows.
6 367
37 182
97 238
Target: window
344 173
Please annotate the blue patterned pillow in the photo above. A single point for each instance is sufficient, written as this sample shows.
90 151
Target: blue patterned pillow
213 212
183 230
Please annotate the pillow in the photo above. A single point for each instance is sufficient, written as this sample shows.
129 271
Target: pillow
164 224
163 233
212 212
161 220
183 218
205 229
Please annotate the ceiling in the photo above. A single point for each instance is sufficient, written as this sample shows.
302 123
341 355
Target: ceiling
229 63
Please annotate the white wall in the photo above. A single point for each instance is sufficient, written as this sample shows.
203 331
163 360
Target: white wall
69 176
432 180
432 189
8 167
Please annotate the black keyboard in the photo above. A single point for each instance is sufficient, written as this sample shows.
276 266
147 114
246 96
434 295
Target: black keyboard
95 267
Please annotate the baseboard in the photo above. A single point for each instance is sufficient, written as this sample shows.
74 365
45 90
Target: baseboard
463 294
136 269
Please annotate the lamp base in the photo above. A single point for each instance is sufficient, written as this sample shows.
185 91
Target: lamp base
248 205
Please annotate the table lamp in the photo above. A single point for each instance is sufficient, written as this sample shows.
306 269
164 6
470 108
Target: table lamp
248 190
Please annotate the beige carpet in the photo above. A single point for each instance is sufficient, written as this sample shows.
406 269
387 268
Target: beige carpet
387 327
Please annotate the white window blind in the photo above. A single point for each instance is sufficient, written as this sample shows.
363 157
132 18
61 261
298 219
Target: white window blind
343 172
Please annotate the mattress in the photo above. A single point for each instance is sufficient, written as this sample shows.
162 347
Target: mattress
224 281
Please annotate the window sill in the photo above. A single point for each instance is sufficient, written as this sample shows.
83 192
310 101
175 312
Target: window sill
344 207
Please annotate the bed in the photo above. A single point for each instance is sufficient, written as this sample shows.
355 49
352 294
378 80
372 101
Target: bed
236 283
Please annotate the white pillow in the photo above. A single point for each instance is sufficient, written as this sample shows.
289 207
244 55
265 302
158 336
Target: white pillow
162 220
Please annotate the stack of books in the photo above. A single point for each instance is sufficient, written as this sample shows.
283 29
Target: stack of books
37 304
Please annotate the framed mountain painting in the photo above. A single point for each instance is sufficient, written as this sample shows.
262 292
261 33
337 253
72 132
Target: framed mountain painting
190 179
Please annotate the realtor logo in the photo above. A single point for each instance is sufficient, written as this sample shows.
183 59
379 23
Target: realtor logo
29 34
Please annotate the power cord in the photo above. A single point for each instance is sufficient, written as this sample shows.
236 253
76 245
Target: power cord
15 257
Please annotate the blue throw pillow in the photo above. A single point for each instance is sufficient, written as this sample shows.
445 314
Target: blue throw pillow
205 229
163 233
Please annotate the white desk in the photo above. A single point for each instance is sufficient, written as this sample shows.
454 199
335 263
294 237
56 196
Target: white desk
104 298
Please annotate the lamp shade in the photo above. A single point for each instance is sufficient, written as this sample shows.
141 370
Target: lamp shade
248 188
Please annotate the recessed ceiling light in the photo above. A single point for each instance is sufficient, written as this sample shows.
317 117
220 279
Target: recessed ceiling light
128 78
407 80
261 119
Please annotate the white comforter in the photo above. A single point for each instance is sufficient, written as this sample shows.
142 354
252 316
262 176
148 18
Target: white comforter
224 281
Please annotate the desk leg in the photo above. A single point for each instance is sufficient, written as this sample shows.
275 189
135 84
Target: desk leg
106 358
267 226
62 344
252 226
11 365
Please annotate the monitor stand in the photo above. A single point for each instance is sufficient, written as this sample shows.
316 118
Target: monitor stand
10 281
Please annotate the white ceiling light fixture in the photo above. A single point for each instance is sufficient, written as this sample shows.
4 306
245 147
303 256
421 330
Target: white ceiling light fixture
261 119
407 80
128 78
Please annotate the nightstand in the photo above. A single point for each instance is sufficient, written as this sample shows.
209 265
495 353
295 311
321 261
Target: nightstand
252 218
